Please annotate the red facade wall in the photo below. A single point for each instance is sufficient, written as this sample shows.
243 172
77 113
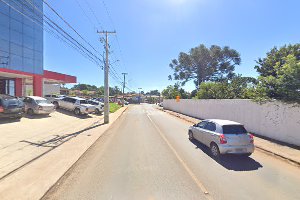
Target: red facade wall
18 87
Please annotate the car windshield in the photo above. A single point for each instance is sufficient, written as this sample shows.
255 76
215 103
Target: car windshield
83 102
41 101
93 103
234 129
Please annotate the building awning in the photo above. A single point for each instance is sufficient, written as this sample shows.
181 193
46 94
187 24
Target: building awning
49 76
54 77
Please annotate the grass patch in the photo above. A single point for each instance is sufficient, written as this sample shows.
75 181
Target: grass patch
113 107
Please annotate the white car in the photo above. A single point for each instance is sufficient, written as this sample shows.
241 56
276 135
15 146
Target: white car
52 97
38 105
99 106
223 137
75 104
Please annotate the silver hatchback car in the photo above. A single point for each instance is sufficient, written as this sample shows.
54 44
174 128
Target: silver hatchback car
38 105
223 137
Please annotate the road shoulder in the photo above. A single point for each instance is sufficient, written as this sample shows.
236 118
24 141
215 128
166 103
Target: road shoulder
35 179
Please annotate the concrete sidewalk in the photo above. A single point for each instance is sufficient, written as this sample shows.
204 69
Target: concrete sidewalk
34 179
282 151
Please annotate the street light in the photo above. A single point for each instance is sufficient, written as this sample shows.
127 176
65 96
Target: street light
140 95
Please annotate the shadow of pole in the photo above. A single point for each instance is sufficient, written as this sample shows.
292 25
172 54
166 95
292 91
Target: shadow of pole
57 139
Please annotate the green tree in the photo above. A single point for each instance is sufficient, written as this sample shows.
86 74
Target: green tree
154 92
285 83
275 59
237 88
85 87
205 64
172 91
280 74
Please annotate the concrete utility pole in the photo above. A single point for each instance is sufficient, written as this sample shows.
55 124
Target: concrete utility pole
124 88
140 95
106 71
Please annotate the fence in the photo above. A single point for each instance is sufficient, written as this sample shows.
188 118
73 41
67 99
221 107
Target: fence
274 120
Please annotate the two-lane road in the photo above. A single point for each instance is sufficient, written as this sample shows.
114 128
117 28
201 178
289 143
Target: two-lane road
147 155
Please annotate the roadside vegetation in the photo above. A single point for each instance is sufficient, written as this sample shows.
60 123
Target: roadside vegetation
212 70
113 107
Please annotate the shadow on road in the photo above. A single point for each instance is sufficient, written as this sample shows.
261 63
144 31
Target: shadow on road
36 116
231 162
9 120
60 139
52 143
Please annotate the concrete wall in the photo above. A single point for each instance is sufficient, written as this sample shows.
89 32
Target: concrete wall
275 120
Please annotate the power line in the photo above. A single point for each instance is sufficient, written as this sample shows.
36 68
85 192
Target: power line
78 45
93 13
68 24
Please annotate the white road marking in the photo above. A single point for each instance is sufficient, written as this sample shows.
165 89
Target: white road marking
189 171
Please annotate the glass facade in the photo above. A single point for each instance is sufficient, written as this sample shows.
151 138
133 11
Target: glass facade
21 39
7 87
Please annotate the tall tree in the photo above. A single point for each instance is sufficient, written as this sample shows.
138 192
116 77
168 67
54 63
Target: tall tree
205 64
280 73
276 58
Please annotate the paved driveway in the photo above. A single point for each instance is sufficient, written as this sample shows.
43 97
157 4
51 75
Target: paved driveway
21 142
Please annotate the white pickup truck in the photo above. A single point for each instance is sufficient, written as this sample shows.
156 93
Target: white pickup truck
75 104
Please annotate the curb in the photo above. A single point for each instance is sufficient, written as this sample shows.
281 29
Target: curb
295 162
33 185
83 153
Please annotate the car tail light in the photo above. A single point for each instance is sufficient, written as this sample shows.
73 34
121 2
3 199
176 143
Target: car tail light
251 138
40 108
1 109
223 139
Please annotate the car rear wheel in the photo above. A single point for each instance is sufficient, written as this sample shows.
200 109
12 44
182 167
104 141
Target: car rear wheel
214 149
97 111
191 137
30 111
77 111
56 105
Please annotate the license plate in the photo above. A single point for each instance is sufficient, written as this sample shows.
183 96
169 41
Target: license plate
239 150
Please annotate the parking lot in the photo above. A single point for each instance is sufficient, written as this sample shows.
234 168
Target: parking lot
23 141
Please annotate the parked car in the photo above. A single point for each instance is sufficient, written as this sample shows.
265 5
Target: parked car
51 97
75 104
223 137
11 107
38 105
99 106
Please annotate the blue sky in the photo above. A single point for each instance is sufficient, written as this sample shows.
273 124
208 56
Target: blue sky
151 33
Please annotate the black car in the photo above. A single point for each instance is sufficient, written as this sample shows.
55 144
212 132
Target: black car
11 107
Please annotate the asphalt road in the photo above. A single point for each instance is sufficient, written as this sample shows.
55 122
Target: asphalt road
147 155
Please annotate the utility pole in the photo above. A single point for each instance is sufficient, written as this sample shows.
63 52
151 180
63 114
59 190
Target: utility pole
124 74
106 71
140 95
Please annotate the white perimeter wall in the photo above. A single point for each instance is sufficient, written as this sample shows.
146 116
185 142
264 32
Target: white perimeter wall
275 120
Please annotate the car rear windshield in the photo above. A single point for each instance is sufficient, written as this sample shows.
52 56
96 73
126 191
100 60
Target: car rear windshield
234 129
8 103
83 102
